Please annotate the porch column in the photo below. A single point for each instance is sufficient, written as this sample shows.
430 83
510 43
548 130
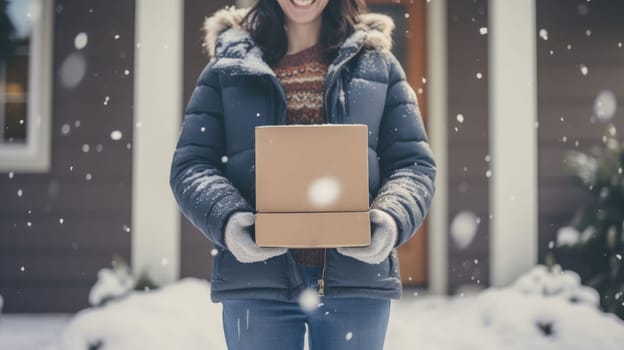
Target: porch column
157 111
437 120
513 138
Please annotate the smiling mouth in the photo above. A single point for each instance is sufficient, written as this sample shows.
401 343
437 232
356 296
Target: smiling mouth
302 3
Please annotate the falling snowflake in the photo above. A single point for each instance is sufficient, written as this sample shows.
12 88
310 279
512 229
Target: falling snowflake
80 41
324 191
464 228
584 70
309 300
605 105
116 135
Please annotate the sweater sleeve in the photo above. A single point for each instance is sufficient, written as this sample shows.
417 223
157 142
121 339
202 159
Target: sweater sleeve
407 165
204 195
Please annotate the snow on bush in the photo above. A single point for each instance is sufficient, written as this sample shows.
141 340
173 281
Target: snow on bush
556 283
178 316
111 284
543 309
540 310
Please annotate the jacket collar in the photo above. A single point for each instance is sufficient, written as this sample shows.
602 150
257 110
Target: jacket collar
233 49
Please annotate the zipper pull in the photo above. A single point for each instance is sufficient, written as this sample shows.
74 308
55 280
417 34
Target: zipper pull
321 290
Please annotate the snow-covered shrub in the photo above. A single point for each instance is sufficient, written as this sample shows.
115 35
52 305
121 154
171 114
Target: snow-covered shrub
117 282
536 312
176 316
556 283
111 284
592 242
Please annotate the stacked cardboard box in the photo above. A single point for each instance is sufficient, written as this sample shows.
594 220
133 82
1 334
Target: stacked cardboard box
312 186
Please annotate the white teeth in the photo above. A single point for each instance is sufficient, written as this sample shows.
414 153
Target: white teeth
303 2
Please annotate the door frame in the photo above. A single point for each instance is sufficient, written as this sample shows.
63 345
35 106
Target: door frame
414 254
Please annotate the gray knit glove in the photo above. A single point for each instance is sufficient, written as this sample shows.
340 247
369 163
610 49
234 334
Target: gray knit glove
384 238
239 243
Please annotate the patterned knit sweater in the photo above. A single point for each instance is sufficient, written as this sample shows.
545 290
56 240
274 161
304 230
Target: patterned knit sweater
302 74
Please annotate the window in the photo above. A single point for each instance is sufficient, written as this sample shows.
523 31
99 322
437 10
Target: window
25 84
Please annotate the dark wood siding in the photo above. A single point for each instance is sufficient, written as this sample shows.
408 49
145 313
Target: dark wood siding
60 261
468 146
563 92
195 258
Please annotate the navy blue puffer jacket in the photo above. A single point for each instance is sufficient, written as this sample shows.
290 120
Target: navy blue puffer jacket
212 170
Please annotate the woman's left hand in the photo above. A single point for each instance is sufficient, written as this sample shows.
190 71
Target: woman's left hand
384 238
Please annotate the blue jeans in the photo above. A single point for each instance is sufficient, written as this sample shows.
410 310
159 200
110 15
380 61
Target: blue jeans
337 324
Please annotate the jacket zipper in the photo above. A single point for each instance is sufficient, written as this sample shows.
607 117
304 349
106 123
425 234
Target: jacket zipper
281 120
321 281
333 77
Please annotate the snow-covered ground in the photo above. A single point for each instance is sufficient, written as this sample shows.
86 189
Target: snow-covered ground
540 310
31 331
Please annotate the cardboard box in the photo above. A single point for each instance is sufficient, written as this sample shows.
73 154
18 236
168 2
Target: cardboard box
312 185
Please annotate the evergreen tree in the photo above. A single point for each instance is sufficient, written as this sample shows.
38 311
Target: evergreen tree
7 31
597 250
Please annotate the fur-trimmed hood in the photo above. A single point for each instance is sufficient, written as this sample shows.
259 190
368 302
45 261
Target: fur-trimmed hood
378 28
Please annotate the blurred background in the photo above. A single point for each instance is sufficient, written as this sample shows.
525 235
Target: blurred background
522 104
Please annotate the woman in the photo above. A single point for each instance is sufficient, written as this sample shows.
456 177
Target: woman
287 62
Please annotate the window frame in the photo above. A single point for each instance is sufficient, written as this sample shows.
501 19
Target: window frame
34 156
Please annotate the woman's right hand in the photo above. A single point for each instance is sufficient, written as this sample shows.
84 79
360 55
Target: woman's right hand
239 243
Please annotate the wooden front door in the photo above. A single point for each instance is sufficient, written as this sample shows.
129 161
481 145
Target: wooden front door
409 47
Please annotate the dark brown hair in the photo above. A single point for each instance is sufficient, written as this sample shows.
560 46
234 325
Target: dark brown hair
265 22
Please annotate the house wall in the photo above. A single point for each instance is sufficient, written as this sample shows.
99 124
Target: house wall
60 260
468 189
566 97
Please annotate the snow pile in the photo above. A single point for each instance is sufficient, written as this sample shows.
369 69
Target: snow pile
31 331
540 310
179 316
